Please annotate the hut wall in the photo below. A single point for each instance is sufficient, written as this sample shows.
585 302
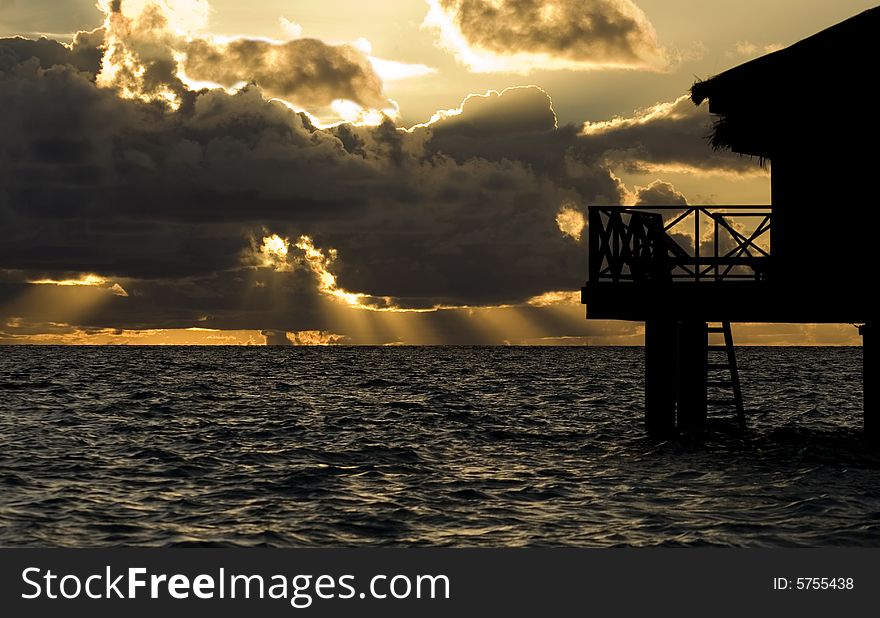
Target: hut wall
824 219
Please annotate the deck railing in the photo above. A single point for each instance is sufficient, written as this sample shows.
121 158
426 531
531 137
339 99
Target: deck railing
675 243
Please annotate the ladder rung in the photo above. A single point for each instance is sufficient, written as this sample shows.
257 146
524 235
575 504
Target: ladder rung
717 366
720 383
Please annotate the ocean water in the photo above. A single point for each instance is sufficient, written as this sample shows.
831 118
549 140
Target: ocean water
420 447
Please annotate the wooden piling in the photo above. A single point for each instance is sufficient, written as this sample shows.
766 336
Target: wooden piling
693 340
661 339
872 418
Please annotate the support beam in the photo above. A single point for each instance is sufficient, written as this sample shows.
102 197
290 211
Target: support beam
693 340
660 377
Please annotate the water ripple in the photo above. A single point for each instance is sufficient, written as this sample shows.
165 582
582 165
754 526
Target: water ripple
220 447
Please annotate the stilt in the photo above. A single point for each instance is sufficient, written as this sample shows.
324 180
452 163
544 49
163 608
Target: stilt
660 379
693 339
872 419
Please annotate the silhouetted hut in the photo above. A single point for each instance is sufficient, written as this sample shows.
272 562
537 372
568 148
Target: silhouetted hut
807 113
804 109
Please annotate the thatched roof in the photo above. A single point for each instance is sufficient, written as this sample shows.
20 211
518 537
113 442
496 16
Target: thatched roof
793 96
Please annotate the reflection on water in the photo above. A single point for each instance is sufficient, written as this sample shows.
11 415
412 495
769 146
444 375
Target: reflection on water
420 446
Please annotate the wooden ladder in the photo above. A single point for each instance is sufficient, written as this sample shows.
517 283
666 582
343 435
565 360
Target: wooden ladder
730 366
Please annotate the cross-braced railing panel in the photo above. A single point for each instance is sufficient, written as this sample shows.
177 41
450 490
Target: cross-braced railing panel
675 243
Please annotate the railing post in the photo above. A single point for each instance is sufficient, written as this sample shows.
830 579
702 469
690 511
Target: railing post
717 265
615 244
697 245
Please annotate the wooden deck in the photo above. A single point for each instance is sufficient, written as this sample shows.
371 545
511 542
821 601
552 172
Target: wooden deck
758 301
644 264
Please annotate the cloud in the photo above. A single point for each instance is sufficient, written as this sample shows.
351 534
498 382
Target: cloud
229 210
90 280
518 36
747 49
18 331
139 58
156 51
315 337
182 16
571 221
291 29
459 212
83 52
168 202
659 193
667 137
306 72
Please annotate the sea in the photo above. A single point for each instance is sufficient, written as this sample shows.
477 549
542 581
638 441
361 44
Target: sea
421 446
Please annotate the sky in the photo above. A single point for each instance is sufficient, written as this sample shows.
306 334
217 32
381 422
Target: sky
348 172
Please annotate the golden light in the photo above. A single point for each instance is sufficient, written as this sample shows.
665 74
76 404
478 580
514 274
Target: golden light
363 46
453 40
319 264
570 221
392 71
551 299
354 113
87 280
273 253
314 338
548 12
183 16
144 24
71 335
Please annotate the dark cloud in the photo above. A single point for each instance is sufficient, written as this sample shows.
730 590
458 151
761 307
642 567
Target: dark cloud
84 52
522 110
555 33
307 72
172 205
667 137
168 202
520 125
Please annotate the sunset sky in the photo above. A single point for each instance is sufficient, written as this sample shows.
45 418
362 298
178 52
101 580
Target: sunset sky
342 171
